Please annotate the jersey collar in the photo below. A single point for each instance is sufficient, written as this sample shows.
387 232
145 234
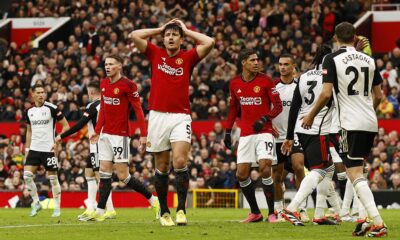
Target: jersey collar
280 80
255 76
347 47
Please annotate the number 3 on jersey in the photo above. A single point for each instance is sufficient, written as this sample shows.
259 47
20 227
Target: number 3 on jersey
312 85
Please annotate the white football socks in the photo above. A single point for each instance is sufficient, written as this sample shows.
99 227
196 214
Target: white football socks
31 186
367 199
307 186
109 203
92 192
56 189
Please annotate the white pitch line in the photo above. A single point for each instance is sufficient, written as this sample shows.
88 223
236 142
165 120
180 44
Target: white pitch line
89 223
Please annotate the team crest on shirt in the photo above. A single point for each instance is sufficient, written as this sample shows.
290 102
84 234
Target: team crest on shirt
148 144
179 61
116 91
256 89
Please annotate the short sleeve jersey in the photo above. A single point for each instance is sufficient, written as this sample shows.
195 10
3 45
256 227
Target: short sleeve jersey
170 78
43 121
310 87
281 121
353 74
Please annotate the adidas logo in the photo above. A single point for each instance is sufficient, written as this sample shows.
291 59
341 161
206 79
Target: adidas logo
103 89
163 58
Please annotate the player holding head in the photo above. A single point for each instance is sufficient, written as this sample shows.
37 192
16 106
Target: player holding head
169 118
315 144
295 162
90 117
118 94
357 84
252 93
41 119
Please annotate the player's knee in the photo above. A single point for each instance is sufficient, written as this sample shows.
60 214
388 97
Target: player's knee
298 167
53 180
241 176
122 175
180 162
28 177
266 172
163 167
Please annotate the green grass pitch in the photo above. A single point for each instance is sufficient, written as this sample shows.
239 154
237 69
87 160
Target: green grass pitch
218 224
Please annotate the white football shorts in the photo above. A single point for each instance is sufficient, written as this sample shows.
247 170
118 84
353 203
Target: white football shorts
166 128
113 148
255 147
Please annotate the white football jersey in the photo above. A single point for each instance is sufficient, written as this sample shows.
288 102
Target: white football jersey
335 125
92 111
353 74
280 122
310 87
43 121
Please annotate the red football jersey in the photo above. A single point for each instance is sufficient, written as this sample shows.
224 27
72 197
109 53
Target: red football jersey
170 78
254 99
114 108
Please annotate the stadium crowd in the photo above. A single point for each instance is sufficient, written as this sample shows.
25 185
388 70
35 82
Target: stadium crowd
102 27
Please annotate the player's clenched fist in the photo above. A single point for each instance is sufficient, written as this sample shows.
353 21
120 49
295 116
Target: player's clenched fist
228 139
94 138
260 123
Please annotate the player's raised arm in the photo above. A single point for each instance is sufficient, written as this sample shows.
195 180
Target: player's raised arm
205 43
139 37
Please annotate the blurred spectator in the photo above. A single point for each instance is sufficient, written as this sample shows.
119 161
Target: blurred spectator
24 200
385 109
393 98
390 74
